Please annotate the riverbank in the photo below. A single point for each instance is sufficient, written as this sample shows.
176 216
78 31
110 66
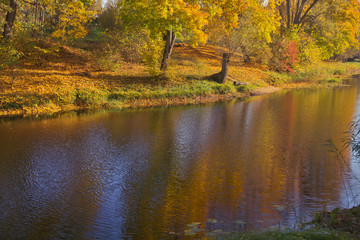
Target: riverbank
338 224
72 80
288 234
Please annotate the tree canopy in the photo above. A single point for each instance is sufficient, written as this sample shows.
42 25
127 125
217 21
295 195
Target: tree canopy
318 29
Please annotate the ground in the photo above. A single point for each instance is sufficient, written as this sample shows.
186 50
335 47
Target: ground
53 79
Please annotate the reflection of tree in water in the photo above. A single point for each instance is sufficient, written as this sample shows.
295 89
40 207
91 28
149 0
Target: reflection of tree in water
148 173
246 179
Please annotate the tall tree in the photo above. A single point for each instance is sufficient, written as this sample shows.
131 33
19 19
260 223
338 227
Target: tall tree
72 18
257 24
231 19
296 11
67 18
10 19
224 16
329 26
166 20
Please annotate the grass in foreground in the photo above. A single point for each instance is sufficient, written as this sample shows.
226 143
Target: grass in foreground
310 234
337 224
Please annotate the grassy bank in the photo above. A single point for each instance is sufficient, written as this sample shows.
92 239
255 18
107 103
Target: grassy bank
338 224
71 79
277 234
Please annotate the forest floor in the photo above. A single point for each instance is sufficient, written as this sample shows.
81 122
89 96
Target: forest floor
68 79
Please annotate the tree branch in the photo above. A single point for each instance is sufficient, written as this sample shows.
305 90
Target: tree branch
308 10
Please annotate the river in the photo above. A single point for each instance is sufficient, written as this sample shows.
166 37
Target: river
147 174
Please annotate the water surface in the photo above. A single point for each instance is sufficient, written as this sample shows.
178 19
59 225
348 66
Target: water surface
146 174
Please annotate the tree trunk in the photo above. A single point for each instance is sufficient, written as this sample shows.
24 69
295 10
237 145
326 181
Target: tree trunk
224 67
288 13
10 18
169 45
246 58
245 54
42 16
221 76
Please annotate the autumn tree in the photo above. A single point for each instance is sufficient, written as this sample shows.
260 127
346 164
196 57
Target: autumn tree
67 18
256 26
296 12
10 18
224 16
322 27
72 19
241 26
165 20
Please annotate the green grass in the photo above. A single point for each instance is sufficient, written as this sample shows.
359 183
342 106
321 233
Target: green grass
198 88
337 224
103 97
278 234
321 73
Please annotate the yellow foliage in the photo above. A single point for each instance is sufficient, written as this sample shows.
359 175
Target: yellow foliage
72 21
180 16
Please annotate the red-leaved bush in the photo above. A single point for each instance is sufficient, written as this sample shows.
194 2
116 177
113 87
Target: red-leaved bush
285 55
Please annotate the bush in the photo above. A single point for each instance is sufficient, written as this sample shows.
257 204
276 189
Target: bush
125 46
9 58
285 55
117 47
9 55
309 52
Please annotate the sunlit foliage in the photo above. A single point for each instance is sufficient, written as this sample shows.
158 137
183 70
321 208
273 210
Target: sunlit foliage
73 17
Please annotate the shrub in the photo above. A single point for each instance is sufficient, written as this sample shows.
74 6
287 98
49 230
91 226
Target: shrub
126 46
9 58
117 47
9 55
285 55
309 52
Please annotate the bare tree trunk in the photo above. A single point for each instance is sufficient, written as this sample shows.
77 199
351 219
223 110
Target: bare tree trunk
288 13
169 45
42 16
224 67
246 56
10 18
36 14
221 76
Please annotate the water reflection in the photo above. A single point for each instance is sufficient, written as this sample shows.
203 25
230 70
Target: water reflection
144 174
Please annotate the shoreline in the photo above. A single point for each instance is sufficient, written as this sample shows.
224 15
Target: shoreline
45 112
133 104
72 81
